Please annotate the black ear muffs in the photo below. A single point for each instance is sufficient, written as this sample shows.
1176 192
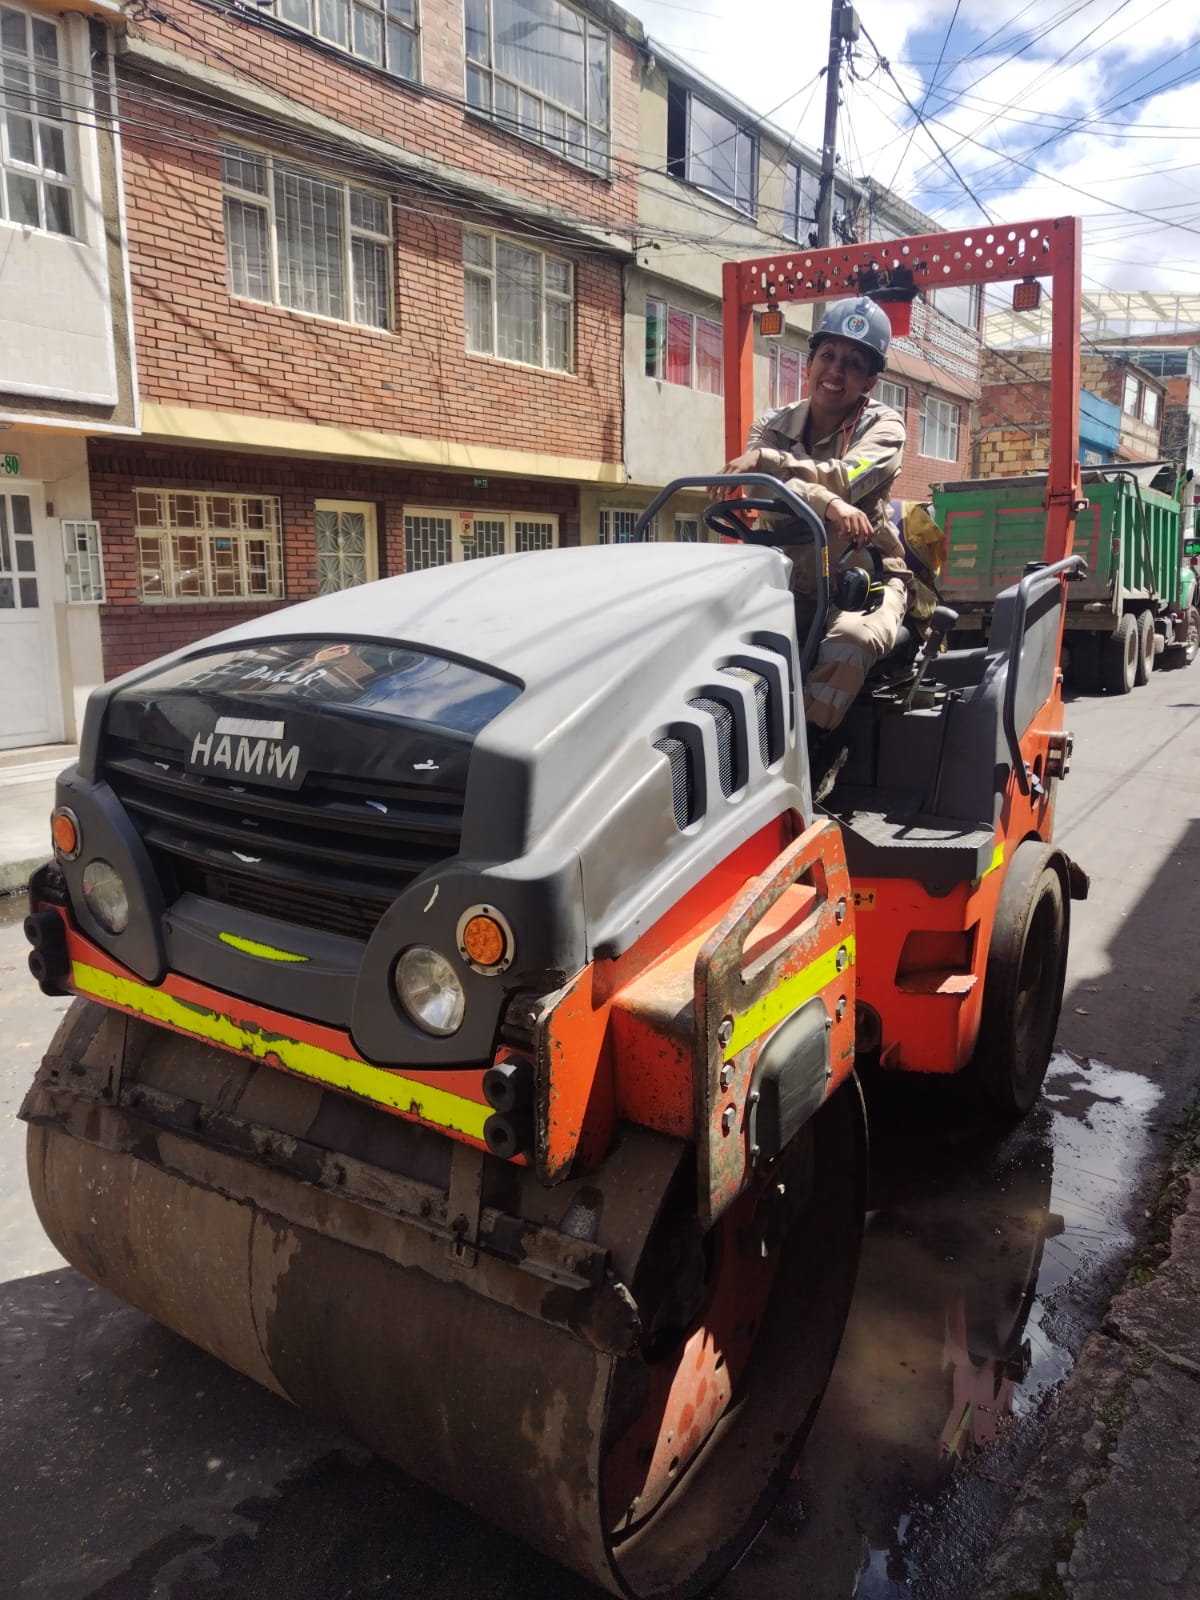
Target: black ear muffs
853 589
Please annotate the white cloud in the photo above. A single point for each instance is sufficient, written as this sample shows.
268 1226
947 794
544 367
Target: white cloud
993 106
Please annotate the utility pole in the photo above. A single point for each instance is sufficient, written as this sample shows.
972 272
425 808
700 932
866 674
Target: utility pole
843 29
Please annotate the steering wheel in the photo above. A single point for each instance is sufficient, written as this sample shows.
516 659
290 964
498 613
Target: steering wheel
725 517
769 495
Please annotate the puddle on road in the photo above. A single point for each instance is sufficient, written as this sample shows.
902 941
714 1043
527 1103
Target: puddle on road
978 1283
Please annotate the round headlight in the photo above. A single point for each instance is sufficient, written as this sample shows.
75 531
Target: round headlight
105 896
430 990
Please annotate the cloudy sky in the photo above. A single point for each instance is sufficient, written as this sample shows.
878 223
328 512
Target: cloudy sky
1043 107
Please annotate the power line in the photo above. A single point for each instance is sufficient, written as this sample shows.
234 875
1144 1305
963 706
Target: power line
883 61
925 97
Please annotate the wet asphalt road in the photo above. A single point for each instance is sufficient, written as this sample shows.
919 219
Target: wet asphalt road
136 1468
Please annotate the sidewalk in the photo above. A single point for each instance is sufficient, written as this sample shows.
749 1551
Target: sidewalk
26 800
1111 1508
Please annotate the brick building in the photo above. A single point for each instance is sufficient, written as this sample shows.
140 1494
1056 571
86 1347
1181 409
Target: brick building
1121 412
377 282
1174 358
359 288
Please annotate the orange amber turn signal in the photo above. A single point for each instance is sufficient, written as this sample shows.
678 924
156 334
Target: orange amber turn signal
64 829
484 942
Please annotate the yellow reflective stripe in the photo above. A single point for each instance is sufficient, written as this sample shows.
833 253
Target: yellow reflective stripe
251 947
997 860
438 1106
787 997
863 464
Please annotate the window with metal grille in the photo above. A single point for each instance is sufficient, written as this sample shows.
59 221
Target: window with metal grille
434 536
520 303
428 540
383 32
199 546
84 562
533 534
37 150
540 69
618 522
298 239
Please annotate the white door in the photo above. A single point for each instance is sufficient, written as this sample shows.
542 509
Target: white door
347 549
30 703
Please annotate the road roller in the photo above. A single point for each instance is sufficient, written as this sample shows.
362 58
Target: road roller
470 997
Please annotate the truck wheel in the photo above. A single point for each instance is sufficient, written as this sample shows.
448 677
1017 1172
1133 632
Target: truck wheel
1119 657
1085 663
1023 985
1145 648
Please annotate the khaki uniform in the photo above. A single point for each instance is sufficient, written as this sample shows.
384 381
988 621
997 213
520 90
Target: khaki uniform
858 464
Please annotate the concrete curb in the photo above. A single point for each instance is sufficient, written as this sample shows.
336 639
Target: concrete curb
1111 1508
15 875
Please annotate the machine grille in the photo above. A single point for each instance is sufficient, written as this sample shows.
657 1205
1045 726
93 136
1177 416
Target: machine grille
722 715
683 792
762 691
333 854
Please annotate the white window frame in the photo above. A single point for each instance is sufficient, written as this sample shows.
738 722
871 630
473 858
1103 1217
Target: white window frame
395 24
162 529
44 112
1151 406
774 399
939 429
689 159
616 524
462 529
521 105
656 366
703 534
83 556
890 393
265 202
487 276
1132 391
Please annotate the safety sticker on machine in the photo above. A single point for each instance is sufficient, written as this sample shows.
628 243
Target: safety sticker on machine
307 1060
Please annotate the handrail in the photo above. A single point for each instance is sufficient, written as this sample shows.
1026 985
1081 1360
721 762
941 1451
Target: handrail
788 501
1076 567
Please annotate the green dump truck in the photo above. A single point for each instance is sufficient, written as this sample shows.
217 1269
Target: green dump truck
1136 607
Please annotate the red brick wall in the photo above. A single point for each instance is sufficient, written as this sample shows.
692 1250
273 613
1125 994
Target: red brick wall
199 347
918 471
429 119
133 632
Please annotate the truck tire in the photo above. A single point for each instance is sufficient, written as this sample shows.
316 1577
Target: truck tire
1145 648
1085 675
1023 985
1119 657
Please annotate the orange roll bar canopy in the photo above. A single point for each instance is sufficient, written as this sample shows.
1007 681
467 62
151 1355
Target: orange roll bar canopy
991 254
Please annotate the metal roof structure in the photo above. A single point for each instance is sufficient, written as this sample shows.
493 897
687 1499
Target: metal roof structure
1112 315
